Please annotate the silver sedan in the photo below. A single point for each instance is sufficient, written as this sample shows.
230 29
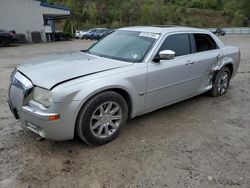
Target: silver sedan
130 72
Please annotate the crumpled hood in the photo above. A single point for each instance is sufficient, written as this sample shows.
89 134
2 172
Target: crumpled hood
54 69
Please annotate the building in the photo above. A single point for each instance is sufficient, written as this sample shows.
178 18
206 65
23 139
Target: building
34 19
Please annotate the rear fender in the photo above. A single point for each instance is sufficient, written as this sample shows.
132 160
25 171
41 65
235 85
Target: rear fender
221 63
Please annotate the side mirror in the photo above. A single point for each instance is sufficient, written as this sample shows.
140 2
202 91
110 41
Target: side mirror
167 54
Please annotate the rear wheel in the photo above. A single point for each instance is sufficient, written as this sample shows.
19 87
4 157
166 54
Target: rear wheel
221 82
101 119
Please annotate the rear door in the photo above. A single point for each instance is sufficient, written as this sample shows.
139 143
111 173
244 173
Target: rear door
206 56
172 80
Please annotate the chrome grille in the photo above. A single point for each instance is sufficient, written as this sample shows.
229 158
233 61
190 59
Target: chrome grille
20 86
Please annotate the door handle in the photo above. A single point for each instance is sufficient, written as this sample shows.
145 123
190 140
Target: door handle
190 62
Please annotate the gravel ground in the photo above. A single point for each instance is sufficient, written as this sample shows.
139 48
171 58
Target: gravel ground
201 142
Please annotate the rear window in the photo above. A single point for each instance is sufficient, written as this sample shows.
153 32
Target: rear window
204 42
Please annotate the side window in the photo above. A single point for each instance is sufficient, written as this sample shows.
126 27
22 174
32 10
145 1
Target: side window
204 42
179 43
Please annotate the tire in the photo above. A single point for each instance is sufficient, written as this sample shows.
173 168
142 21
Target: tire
101 118
221 82
4 42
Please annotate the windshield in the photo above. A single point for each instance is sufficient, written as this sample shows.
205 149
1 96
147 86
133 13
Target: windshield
131 46
100 30
92 30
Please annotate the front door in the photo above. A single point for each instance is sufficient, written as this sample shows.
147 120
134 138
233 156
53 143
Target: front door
172 80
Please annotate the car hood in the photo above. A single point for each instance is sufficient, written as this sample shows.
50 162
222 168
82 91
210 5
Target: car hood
52 70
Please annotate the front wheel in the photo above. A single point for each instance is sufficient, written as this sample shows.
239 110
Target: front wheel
101 119
4 42
221 82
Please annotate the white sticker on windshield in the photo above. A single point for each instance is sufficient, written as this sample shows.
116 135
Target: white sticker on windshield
134 56
150 35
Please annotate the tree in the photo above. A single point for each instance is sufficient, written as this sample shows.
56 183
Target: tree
239 18
116 13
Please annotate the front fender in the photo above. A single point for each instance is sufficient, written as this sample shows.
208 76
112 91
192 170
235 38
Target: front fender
136 99
131 79
84 91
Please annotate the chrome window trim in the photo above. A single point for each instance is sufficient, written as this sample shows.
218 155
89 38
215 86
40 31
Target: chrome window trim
160 41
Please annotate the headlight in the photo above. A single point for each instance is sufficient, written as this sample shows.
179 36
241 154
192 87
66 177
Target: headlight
42 96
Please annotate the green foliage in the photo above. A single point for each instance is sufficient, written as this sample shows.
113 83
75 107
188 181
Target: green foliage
66 35
196 4
238 11
246 8
117 13
239 18
67 27
206 4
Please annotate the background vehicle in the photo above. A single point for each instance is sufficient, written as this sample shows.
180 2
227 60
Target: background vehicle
7 37
79 34
91 33
82 33
100 34
219 31
132 71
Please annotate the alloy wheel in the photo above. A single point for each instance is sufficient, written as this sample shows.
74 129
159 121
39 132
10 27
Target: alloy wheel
106 119
223 83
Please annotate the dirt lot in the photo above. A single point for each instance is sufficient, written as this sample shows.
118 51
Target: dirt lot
201 142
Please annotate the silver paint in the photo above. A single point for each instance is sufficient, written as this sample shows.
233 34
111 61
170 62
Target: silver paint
73 78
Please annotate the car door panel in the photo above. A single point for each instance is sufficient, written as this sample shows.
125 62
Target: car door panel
171 80
206 55
205 62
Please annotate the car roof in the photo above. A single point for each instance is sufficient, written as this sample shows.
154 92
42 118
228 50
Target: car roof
162 29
